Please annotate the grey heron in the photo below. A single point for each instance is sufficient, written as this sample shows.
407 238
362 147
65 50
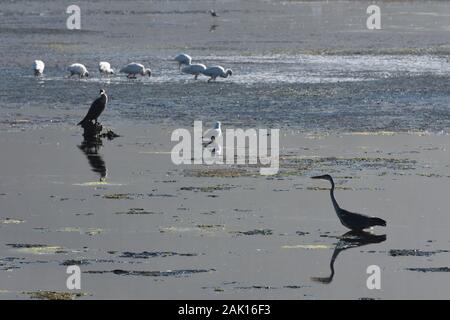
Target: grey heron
353 221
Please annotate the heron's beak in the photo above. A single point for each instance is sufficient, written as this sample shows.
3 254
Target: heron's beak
318 177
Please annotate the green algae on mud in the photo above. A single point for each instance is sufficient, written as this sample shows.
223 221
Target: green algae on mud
262 232
219 187
38 249
295 165
86 231
119 196
11 221
54 295
218 173
137 211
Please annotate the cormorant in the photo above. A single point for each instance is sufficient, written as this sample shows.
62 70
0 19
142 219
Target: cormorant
96 109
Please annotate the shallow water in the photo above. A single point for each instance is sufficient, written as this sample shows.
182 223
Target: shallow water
368 107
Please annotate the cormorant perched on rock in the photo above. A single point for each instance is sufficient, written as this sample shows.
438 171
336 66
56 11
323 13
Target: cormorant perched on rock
96 109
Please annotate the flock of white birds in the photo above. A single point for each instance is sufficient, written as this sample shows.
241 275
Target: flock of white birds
133 69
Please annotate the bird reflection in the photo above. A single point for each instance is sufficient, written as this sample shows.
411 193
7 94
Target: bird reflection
213 27
351 239
90 147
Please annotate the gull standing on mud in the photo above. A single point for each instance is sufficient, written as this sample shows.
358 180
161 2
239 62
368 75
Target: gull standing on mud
38 67
212 134
217 71
353 221
105 68
216 149
132 69
194 69
183 58
79 69
96 109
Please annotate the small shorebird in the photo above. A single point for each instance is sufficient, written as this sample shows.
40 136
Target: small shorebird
96 109
353 221
213 13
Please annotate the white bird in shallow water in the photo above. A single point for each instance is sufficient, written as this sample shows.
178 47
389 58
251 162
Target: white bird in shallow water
132 69
194 69
183 58
79 69
217 71
105 68
38 67
212 134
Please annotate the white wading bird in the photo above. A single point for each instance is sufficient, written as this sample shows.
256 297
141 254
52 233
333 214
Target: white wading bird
79 69
105 68
183 58
217 71
212 134
38 67
194 69
132 69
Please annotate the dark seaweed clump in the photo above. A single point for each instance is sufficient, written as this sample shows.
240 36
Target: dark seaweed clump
172 273
413 252
146 254
263 232
436 269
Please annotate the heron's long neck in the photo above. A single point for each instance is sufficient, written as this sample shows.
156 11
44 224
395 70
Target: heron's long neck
333 199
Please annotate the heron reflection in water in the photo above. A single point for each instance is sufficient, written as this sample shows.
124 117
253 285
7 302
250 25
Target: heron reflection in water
351 239
90 147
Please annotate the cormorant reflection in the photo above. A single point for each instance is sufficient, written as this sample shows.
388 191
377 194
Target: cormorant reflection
351 239
90 147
